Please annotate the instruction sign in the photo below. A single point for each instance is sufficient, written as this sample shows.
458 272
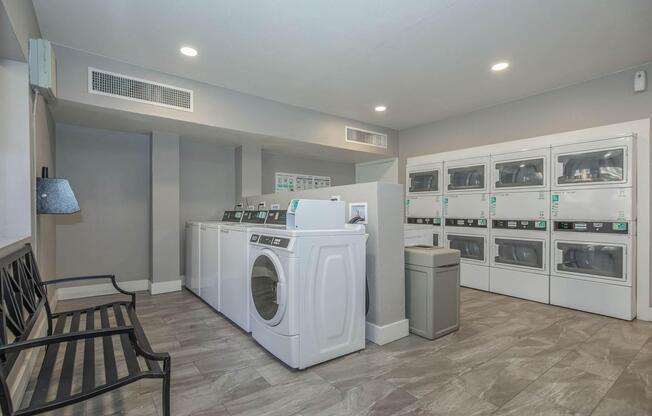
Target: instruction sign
290 182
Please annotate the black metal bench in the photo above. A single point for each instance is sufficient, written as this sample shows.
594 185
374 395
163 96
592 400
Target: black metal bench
23 297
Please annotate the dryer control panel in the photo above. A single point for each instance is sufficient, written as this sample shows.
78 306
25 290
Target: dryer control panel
593 227
466 222
538 225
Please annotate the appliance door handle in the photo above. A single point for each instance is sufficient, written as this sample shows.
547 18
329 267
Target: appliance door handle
447 266
280 294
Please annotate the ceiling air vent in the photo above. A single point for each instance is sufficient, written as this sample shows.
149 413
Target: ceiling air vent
370 138
140 90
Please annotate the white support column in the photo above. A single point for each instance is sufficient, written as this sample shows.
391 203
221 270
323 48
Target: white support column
165 213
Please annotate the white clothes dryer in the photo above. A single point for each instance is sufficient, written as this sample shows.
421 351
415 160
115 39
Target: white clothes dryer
471 238
307 292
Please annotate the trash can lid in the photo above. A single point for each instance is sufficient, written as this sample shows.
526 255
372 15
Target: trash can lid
431 256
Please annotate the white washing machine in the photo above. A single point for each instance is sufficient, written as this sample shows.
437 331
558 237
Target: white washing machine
471 237
192 256
467 175
234 254
520 256
593 267
308 292
198 265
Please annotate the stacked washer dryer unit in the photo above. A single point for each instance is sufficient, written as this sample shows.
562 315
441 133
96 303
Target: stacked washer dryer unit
593 259
234 254
466 214
520 224
307 284
424 199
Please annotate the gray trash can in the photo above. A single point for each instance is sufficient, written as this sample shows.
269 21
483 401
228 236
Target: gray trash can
432 290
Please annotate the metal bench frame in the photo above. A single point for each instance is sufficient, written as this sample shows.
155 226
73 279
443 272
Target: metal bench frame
23 296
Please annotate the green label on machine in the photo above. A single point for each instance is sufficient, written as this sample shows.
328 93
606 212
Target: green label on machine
482 222
445 200
493 199
540 224
555 198
620 226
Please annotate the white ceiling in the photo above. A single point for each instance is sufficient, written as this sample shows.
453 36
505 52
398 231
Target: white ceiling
424 59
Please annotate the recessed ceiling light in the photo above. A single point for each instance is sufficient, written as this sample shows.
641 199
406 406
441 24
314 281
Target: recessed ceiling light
500 66
188 51
380 108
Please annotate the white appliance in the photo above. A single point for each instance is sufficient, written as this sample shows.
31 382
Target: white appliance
417 234
467 175
460 206
523 171
593 267
608 163
202 256
192 256
424 179
209 262
610 204
234 254
520 258
308 292
471 237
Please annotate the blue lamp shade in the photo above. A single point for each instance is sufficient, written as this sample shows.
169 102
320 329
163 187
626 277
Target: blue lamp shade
55 196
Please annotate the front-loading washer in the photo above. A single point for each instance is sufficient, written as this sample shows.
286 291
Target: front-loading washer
307 292
523 171
233 255
593 267
471 237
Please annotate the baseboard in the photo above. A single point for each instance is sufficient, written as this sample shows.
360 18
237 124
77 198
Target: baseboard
76 292
385 334
164 287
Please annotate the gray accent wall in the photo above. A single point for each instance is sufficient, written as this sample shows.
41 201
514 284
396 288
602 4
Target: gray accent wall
602 101
109 172
340 173
207 183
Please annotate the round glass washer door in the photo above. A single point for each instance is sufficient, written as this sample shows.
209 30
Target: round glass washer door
268 288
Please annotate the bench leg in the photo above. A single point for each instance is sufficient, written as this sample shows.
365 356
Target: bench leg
166 387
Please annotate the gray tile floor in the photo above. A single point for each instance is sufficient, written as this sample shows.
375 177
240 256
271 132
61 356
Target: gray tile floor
510 357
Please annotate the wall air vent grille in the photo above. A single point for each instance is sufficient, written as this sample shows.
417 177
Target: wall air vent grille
140 90
369 138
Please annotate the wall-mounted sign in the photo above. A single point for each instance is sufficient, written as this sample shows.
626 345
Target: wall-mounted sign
290 182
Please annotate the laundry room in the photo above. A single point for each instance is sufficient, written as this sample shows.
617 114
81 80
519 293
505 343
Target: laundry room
325 208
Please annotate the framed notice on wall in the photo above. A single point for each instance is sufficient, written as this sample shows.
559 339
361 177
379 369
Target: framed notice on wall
290 182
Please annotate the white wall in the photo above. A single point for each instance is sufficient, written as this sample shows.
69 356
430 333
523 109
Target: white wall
207 183
340 173
15 178
109 172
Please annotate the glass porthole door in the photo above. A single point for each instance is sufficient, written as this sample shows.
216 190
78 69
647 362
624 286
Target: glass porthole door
268 289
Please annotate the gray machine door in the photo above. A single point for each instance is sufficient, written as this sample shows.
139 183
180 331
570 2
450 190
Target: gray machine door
470 247
592 259
588 167
424 181
525 253
265 287
520 173
467 177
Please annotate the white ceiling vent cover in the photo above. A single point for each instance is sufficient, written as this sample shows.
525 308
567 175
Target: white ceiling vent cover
370 138
143 91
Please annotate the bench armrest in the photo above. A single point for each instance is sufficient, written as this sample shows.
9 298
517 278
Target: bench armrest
98 277
71 336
